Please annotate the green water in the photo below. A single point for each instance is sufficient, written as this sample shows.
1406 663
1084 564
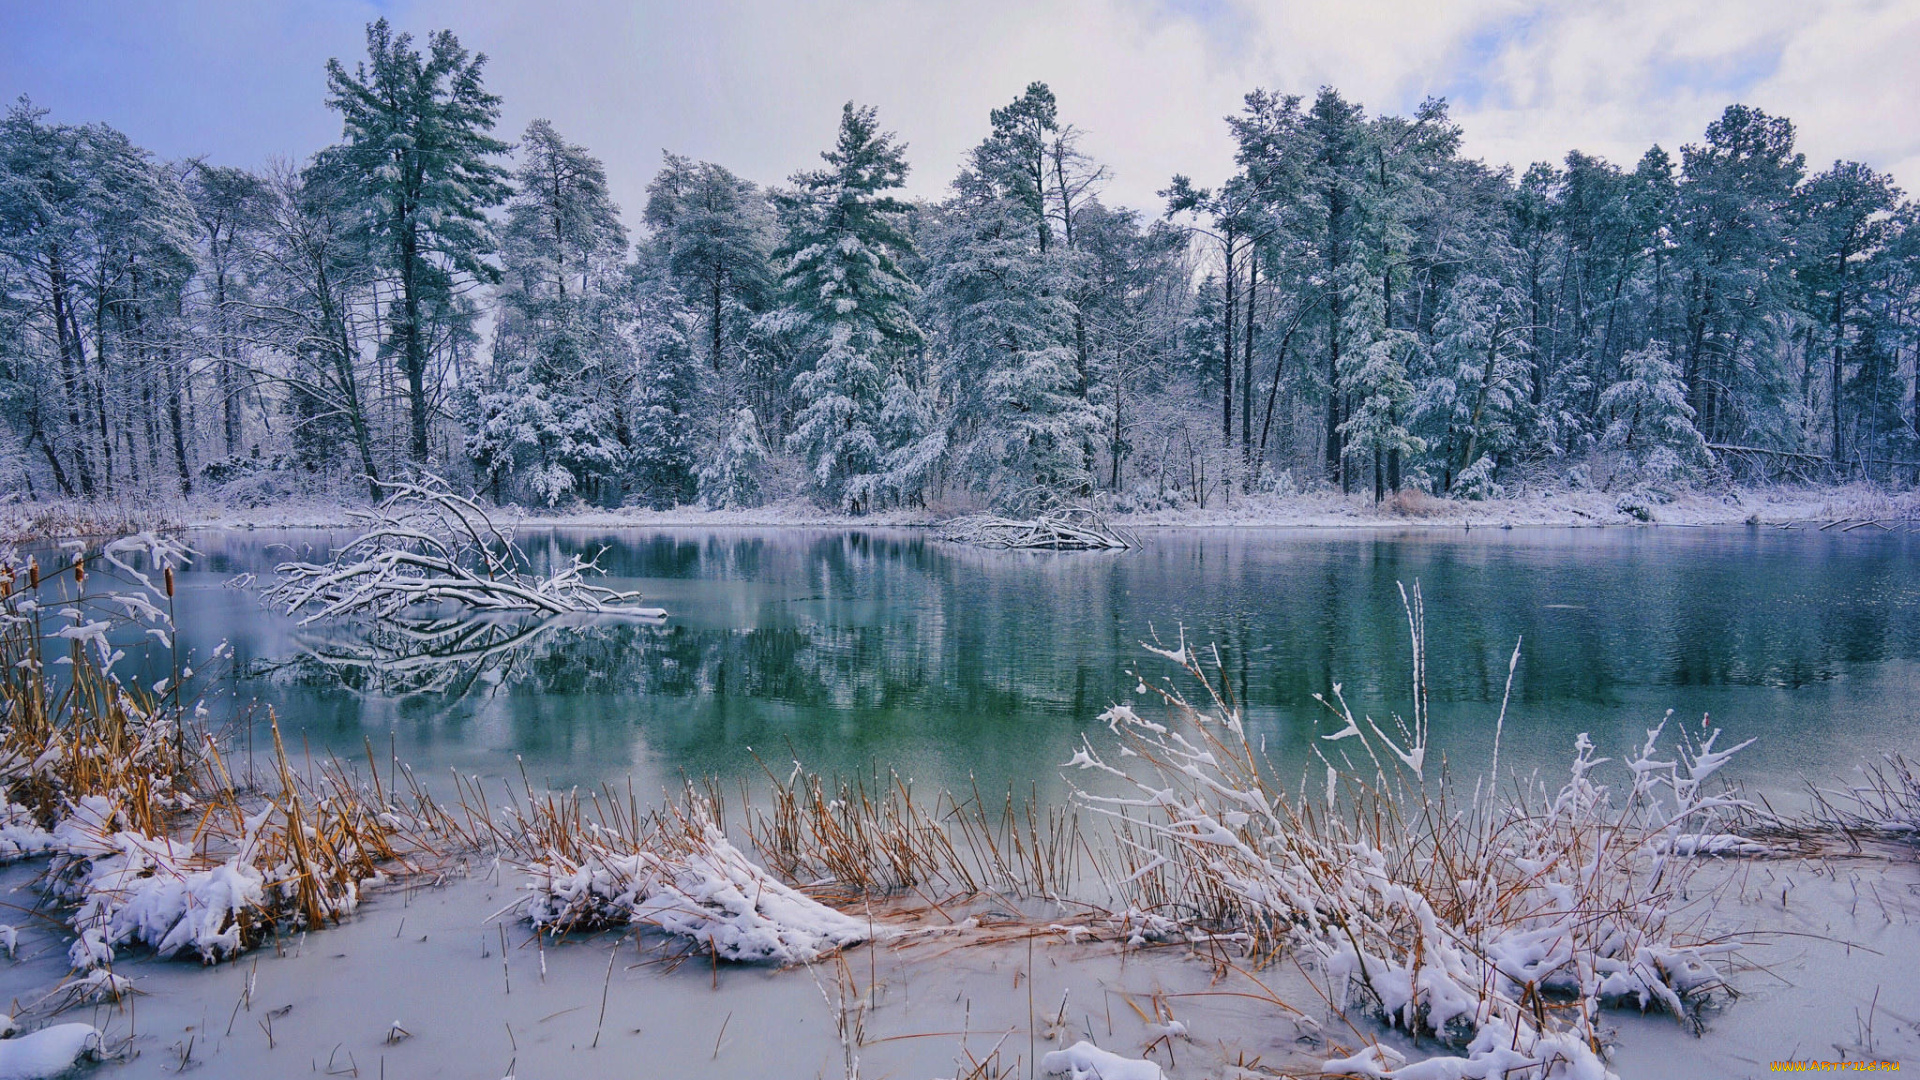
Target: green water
847 650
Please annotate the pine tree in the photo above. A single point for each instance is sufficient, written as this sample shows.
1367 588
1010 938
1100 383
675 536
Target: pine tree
1648 416
548 412
845 289
417 144
713 229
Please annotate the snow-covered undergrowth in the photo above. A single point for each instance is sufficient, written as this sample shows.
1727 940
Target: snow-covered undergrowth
148 840
1497 924
424 544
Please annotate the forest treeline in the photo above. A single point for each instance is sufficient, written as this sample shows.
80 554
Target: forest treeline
1358 305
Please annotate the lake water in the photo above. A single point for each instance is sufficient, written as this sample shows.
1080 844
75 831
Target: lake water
848 650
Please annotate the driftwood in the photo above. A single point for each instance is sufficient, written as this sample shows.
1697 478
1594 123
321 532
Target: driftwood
1072 529
423 544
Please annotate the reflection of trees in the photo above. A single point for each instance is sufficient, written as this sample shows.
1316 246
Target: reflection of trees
850 620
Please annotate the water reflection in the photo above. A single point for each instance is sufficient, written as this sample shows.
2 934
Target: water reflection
844 648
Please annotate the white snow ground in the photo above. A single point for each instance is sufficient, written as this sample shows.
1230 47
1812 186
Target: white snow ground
415 986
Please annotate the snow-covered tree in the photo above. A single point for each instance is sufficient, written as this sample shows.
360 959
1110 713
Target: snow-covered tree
1473 404
1373 375
846 292
731 474
665 401
548 411
417 145
1648 416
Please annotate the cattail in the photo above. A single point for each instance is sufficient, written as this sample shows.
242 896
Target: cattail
168 578
33 572
79 570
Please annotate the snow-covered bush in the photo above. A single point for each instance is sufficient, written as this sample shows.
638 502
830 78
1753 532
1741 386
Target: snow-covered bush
1476 481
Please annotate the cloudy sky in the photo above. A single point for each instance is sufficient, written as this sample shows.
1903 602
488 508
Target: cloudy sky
756 85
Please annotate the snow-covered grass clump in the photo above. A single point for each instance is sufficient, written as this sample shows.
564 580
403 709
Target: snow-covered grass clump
1885 801
674 871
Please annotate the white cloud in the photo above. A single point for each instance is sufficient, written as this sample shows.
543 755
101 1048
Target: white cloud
757 85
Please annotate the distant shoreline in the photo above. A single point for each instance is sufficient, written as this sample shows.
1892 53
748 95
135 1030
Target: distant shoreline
1844 507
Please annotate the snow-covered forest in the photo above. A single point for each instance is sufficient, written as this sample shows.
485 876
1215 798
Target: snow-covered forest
1358 306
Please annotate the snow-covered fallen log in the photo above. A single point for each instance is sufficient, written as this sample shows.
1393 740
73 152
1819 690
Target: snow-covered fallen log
426 545
1075 529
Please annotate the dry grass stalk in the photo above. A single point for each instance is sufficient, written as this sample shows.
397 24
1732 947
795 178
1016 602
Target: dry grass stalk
1883 805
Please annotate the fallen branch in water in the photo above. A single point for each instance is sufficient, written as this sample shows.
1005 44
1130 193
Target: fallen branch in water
426 545
1072 529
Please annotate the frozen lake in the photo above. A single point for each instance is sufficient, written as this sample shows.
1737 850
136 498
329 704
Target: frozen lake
854 649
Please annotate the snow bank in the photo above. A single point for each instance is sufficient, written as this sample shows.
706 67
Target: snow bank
1769 504
1085 1061
49 1052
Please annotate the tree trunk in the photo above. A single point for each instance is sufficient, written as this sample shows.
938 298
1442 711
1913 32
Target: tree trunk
1226 351
179 432
66 331
416 346
718 296
1246 366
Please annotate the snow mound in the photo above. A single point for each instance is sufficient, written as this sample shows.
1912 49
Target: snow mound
49 1052
1085 1061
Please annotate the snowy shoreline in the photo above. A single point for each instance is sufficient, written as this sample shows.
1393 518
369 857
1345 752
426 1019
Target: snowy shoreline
1854 504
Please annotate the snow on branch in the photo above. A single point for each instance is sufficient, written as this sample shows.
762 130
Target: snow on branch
424 544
